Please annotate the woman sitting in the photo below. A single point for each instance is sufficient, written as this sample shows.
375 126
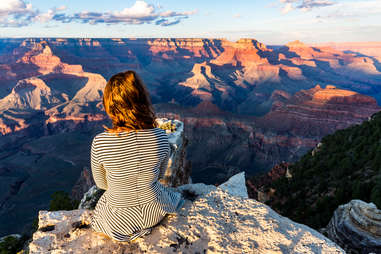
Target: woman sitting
127 160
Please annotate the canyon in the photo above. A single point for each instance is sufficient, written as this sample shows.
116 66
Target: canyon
245 105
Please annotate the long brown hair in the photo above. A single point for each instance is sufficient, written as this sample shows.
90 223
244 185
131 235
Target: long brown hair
127 103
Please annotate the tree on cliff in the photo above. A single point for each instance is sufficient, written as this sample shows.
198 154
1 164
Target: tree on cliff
62 201
347 166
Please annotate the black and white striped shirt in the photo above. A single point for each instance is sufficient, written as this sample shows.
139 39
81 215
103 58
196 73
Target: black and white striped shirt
128 165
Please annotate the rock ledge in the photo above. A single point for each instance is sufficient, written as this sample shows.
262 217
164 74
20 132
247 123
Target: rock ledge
214 222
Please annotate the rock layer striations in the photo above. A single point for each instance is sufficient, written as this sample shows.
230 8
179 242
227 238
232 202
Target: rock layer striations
356 226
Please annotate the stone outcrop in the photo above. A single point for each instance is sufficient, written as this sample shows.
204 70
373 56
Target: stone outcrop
83 184
235 185
52 87
178 170
90 198
371 49
318 111
356 226
211 221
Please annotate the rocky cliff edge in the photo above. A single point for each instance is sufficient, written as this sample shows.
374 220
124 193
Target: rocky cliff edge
213 220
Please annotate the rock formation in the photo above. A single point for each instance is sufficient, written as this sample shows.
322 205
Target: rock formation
371 49
356 227
83 184
55 88
235 186
318 111
258 185
212 221
178 170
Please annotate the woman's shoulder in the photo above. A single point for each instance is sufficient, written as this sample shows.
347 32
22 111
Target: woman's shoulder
105 135
156 130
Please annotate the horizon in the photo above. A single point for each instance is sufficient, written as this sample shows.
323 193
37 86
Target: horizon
273 22
207 38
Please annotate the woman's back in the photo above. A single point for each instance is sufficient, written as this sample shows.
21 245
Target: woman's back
127 165
132 163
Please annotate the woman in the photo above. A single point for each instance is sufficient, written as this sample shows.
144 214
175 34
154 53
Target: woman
127 160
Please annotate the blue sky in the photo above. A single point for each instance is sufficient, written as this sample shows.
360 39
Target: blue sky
269 21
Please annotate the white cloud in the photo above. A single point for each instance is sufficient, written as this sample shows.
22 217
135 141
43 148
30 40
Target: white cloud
139 10
352 10
61 8
13 6
16 13
139 13
287 8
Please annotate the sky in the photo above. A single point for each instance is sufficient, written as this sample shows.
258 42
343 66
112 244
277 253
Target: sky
272 22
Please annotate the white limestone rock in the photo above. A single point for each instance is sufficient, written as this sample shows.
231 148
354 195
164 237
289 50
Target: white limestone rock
236 185
215 222
197 189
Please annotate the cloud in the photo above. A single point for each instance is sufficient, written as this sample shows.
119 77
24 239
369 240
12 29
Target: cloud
139 13
61 8
352 10
287 8
305 5
49 15
309 4
13 7
288 1
16 13
166 22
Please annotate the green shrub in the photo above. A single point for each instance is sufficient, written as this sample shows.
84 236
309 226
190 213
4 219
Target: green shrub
62 201
11 245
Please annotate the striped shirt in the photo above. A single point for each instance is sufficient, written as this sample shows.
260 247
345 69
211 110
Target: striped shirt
128 166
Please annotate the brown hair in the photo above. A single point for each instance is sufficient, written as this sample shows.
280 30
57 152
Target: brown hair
127 103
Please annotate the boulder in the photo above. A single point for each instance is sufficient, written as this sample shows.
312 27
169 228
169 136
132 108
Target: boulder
236 185
356 226
212 220
178 170
90 198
